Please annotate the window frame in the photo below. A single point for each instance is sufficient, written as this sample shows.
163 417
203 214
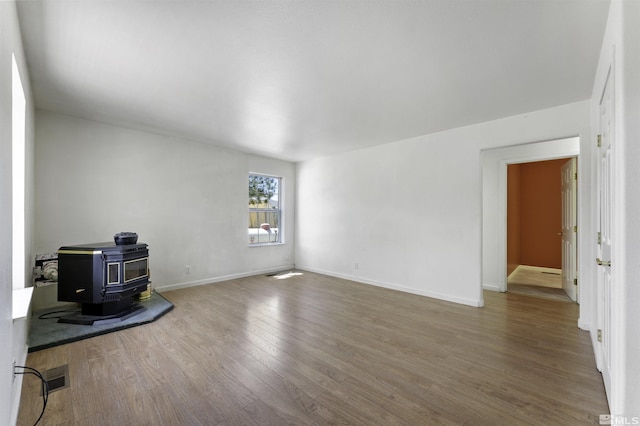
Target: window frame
279 210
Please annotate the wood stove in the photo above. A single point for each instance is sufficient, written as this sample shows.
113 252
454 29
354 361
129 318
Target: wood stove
103 277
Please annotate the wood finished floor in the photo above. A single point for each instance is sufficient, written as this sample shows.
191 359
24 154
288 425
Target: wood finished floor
312 349
537 283
541 277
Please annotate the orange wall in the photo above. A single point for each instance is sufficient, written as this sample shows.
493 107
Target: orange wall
537 214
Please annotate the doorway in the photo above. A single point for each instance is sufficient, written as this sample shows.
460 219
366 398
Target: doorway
541 227
494 200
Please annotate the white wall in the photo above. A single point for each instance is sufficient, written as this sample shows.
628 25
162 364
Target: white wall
409 212
188 201
621 48
13 334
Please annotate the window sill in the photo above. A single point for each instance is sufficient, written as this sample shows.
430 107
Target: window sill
21 302
265 244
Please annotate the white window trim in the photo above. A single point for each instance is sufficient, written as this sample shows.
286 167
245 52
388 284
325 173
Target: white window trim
280 209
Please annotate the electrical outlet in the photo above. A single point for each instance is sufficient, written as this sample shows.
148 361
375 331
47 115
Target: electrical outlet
355 265
187 270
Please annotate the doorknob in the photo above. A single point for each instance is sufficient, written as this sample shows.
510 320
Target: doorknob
603 262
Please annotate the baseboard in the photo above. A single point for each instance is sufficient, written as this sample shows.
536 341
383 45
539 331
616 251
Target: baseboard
513 272
211 280
492 287
434 295
583 325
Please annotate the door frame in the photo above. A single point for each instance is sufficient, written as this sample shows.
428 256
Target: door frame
494 199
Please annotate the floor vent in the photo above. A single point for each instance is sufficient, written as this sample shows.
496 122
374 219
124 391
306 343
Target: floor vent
57 378
275 274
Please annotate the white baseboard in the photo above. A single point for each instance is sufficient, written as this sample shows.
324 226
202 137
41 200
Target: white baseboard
464 301
492 287
583 325
211 280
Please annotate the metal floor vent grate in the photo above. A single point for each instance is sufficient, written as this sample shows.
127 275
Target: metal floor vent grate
57 378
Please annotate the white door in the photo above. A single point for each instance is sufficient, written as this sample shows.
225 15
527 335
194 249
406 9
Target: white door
604 261
569 222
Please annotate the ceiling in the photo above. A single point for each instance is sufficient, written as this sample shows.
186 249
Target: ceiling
300 79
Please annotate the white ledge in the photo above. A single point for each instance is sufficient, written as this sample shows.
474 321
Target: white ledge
21 302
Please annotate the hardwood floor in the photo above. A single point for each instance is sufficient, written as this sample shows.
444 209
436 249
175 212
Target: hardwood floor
312 349
538 282
536 276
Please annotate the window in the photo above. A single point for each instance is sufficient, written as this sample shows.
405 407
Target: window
265 213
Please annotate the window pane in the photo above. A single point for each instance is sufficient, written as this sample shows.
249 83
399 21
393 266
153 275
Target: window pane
263 192
264 227
265 213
